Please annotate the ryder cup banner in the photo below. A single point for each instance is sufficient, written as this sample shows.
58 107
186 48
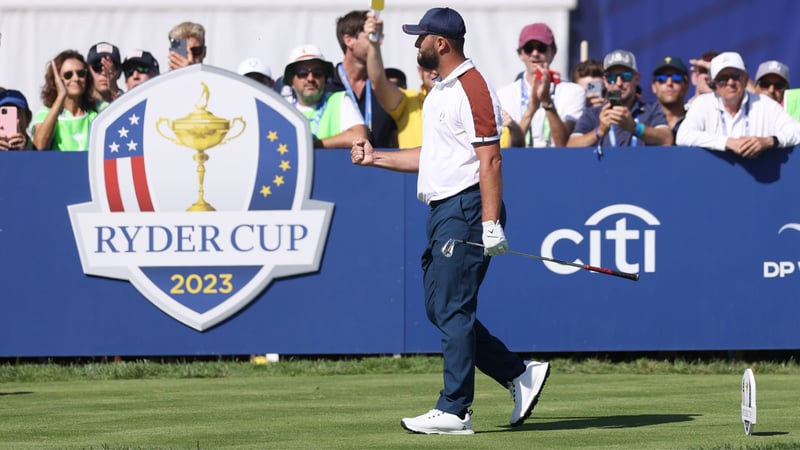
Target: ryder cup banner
200 183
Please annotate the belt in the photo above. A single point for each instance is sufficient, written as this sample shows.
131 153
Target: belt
474 187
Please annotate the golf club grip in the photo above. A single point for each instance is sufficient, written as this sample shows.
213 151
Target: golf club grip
616 273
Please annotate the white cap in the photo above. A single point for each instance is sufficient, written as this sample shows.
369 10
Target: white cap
305 52
254 64
725 60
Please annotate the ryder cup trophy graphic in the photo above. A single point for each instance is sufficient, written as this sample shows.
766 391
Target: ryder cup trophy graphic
200 130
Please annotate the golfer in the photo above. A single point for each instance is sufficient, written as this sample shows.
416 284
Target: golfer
460 178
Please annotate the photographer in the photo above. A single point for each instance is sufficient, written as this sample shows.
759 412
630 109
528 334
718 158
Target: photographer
624 120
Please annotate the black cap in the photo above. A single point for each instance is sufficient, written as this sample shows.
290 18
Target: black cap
671 63
101 49
443 22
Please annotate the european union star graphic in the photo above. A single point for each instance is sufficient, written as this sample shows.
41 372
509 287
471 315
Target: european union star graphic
244 148
277 166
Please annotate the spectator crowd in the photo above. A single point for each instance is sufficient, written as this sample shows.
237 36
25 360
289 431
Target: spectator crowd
597 104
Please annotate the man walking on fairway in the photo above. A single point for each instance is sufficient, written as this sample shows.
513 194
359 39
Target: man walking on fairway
460 179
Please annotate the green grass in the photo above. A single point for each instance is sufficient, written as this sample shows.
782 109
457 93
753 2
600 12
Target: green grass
358 404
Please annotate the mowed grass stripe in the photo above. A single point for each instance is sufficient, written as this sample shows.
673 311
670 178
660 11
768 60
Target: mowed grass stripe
363 411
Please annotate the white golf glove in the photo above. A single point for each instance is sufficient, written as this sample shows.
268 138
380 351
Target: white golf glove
494 240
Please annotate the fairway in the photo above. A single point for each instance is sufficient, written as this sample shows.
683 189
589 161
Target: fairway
258 409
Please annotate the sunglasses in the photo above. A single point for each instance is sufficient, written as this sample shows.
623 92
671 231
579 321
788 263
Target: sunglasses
779 85
612 77
141 69
81 73
303 73
197 52
723 79
701 70
663 77
530 46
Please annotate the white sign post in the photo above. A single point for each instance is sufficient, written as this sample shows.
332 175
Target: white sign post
748 401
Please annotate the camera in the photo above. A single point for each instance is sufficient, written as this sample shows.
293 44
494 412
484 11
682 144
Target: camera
614 97
179 46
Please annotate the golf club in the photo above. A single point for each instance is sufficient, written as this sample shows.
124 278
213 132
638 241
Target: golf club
447 251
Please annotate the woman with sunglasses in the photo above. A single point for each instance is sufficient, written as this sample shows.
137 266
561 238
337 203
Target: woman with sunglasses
63 123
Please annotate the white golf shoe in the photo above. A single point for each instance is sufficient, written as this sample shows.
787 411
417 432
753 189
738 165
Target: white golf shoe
438 422
525 390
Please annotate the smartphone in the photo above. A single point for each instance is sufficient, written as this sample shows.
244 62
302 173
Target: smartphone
179 46
594 87
8 121
614 97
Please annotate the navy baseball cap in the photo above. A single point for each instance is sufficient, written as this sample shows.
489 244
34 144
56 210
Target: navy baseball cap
13 97
443 22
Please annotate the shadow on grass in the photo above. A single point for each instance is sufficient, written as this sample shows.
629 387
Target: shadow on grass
579 423
15 393
769 433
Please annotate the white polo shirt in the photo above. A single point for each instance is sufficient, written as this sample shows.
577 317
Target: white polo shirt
459 111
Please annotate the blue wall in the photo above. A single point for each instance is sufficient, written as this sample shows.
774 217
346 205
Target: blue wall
651 29
715 283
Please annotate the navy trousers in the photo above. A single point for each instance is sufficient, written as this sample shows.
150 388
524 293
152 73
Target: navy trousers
451 300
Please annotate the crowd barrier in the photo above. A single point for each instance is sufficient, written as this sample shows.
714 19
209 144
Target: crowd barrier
714 238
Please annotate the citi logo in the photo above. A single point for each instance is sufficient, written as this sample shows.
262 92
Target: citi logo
627 240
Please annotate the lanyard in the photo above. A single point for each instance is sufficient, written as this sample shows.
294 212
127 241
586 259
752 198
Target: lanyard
746 120
524 99
368 103
319 108
612 135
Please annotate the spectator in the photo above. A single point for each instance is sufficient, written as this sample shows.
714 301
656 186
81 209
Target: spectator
351 76
104 61
734 119
17 138
139 66
631 122
699 68
335 122
589 71
670 86
64 121
541 110
403 105
772 80
195 36
256 69
460 177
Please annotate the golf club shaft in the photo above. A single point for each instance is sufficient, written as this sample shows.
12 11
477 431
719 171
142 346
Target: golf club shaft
616 273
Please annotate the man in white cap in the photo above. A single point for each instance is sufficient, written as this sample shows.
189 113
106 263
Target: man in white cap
335 122
734 119
256 69
772 79
623 121
542 110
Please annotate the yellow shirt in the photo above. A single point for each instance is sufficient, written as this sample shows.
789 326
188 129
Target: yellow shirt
408 117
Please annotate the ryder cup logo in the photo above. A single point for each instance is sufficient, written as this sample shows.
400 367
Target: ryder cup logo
200 183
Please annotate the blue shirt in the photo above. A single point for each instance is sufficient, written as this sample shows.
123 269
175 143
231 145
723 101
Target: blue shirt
649 114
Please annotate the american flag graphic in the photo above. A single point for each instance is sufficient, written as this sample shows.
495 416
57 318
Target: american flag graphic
123 162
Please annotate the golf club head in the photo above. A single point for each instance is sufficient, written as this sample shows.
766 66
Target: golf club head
447 249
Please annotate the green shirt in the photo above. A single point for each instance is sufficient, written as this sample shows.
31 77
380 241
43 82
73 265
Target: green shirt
329 122
71 133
